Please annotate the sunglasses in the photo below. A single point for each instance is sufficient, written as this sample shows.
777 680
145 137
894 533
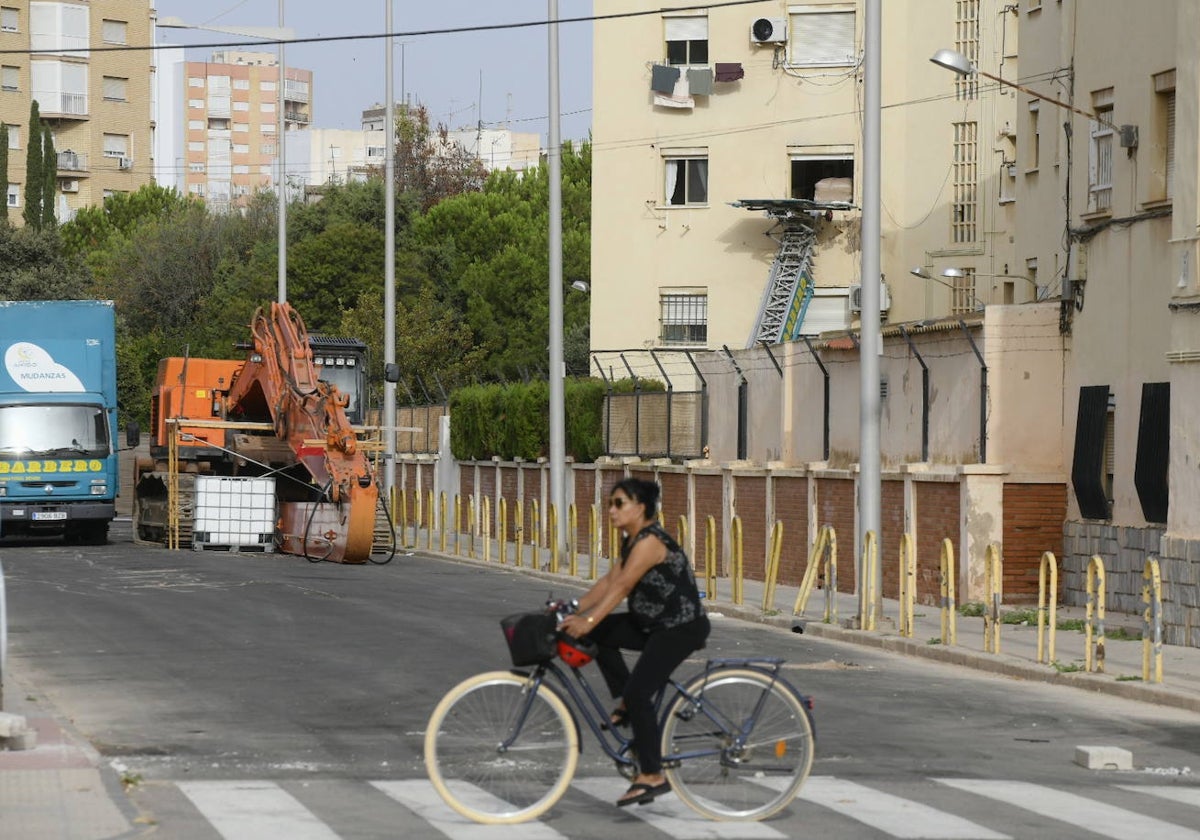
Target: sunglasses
618 502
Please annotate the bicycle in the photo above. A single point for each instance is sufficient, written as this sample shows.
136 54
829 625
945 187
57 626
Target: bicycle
502 746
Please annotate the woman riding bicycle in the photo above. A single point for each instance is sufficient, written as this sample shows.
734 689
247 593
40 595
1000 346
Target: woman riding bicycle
665 621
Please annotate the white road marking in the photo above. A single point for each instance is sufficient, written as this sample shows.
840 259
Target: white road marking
419 796
671 816
1186 795
255 811
1091 814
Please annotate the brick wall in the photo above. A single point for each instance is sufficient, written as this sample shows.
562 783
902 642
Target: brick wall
1033 524
585 489
674 500
937 519
791 508
710 501
751 508
891 516
835 506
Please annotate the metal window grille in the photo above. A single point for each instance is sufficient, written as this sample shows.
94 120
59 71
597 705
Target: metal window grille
962 293
1100 166
966 41
965 209
684 318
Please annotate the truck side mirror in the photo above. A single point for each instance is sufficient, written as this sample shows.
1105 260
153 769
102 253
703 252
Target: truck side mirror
133 435
391 373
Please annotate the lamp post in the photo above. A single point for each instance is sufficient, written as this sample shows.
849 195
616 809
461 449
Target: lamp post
924 275
389 266
960 64
955 273
280 34
558 449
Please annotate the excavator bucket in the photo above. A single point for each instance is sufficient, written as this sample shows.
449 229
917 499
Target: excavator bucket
340 532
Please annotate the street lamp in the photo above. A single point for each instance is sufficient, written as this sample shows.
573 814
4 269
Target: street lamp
960 64
269 33
924 275
955 273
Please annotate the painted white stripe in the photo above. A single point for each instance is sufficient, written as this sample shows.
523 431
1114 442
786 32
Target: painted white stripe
1091 814
1186 795
671 816
419 797
255 811
893 815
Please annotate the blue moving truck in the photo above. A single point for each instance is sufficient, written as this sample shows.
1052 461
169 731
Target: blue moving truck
58 418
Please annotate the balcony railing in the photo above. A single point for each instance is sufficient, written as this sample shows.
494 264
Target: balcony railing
72 162
297 117
63 104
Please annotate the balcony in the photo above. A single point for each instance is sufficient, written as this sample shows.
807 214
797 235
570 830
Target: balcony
69 161
297 117
63 106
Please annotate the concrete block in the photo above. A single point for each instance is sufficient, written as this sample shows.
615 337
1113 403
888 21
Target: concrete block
1104 758
23 740
11 724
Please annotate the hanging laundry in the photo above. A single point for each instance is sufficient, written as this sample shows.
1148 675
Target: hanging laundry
730 72
700 81
680 97
663 78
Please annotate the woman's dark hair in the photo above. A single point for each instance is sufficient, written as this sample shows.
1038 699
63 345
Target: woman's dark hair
640 490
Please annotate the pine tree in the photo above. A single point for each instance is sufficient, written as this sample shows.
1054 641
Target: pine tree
4 169
33 169
49 176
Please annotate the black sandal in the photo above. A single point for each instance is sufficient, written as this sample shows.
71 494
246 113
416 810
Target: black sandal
619 717
645 793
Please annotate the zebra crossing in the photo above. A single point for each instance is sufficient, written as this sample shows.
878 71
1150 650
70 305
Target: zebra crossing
935 808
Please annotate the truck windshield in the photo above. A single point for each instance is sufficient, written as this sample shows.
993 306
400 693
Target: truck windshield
59 429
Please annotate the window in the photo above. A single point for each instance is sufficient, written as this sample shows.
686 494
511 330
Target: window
14 136
116 145
962 293
820 37
241 106
114 32
60 87
1164 123
268 107
196 103
1090 470
376 151
1153 456
59 28
195 81
267 149
14 195
115 89
196 146
823 177
267 128
966 42
265 169
241 84
1035 138
268 86
684 317
241 169
237 126
9 19
241 149
10 78
218 124
687 39
196 189
966 183
196 125
196 167
1100 153
686 181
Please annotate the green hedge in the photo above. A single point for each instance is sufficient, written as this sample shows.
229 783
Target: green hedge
513 421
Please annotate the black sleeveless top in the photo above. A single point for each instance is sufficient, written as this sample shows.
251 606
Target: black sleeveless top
667 595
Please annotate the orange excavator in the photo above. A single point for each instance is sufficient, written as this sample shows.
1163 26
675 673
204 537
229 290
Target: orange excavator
277 414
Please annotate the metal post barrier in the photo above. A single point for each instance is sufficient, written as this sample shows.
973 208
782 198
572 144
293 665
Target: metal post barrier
442 522
535 534
866 584
403 517
908 585
771 574
573 541
1152 651
552 536
485 525
593 541
457 525
431 519
471 503
1093 655
519 533
735 573
681 536
502 531
949 606
993 577
823 549
614 544
1047 607
710 558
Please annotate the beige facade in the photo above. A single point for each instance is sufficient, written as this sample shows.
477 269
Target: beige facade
688 270
230 123
97 103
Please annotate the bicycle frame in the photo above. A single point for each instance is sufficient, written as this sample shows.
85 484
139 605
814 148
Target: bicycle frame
584 701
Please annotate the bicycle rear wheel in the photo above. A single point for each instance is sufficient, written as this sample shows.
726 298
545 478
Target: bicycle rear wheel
471 768
717 777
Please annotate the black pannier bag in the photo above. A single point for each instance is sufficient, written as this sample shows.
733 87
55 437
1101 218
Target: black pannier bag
531 637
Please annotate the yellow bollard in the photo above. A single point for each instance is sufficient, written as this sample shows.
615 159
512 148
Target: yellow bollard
1047 607
710 559
1093 656
572 540
822 554
771 573
908 585
519 533
593 541
866 586
735 573
614 544
681 536
552 536
535 534
993 581
457 525
485 527
432 521
403 517
949 606
502 531
442 522
1152 650
471 506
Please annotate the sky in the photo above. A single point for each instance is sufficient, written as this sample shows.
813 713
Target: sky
443 72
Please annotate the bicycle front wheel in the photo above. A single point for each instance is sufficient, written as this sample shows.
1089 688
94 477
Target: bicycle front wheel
737 745
498 755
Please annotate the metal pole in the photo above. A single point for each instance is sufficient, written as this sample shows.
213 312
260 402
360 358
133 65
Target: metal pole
869 457
389 269
281 156
558 455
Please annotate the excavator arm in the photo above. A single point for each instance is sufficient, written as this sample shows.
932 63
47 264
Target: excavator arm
279 384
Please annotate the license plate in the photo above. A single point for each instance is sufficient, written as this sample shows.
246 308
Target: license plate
49 515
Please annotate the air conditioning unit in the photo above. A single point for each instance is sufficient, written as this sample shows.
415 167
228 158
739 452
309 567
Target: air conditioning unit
885 299
124 163
769 31
71 185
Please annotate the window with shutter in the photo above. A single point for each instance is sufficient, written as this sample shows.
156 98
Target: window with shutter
10 78
14 136
115 88
687 39
9 19
114 31
821 38
116 145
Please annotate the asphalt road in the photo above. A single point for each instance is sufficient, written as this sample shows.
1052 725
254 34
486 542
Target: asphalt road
317 679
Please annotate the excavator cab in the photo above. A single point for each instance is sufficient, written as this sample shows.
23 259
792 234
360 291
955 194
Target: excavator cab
342 362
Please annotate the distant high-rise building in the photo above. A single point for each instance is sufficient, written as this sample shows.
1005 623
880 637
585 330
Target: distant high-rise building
95 97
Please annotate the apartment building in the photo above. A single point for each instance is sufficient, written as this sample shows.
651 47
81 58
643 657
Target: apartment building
727 151
95 97
229 124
